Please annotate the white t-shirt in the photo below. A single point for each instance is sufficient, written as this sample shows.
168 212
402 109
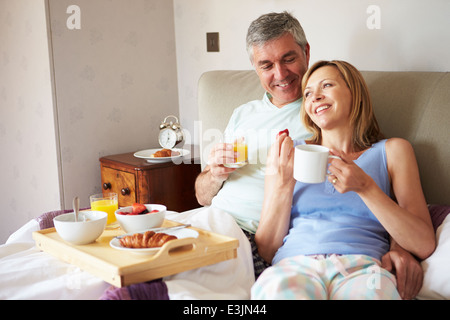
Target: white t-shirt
243 192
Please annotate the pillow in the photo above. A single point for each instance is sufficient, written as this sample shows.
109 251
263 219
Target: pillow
436 282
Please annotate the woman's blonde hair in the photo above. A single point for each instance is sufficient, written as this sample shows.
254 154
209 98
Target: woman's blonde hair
362 118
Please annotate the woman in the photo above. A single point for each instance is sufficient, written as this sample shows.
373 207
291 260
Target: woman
326 240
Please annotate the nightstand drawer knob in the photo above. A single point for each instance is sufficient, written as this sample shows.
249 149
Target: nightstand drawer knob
106 186
125 191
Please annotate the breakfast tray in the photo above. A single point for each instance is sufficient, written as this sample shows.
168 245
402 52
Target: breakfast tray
121 268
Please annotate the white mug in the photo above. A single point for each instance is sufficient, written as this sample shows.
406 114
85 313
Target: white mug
311 163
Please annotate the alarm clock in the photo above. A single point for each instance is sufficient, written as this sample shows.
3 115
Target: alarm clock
170 133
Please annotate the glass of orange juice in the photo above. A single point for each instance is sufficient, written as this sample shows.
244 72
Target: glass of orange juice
106 202
240 149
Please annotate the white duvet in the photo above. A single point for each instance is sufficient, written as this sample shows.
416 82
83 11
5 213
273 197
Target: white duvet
27 273
436 280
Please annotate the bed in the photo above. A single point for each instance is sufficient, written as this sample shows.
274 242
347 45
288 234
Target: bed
410 105
28 273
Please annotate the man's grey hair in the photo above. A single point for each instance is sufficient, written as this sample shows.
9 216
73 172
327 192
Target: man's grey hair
272 26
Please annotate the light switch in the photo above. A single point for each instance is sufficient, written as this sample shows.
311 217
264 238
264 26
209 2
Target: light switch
212 42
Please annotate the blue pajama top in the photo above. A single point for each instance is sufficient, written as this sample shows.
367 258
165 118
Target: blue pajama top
324 221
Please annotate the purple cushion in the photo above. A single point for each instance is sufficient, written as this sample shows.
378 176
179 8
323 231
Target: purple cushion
151 290
45 220
438 213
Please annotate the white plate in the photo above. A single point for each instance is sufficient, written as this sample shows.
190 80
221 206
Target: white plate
147 154
179 233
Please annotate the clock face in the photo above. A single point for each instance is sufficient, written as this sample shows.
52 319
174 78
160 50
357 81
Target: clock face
167 138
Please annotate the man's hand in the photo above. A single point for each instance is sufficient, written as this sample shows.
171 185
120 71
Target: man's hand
211 179
221 153
407 270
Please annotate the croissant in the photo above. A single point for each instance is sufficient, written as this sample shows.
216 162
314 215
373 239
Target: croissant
165 153
149 239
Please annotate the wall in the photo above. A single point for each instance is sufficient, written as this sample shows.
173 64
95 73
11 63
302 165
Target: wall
28 165
69 96
115 82
413 35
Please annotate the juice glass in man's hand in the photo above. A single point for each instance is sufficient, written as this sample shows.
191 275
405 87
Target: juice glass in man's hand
240 150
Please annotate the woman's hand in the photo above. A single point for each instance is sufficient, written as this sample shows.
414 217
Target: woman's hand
280 162
345 175
278 191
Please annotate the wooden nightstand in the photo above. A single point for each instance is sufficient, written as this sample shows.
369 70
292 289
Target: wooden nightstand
136 180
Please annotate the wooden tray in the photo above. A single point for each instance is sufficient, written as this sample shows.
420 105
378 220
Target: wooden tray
121 268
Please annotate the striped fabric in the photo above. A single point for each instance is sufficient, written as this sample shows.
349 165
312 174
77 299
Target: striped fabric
323 277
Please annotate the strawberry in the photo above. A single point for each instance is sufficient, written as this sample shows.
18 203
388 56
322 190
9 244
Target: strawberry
138 208
283 131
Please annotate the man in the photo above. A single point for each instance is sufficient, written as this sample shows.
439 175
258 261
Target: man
279 52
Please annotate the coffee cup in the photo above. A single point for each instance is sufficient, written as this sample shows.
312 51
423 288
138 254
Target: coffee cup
311 163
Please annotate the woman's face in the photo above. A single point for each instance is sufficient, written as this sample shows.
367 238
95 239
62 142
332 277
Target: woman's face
327 98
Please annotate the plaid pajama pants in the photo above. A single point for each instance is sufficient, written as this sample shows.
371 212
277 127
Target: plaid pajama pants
259 264
337 277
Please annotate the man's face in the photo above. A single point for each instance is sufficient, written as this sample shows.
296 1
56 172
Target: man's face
280 65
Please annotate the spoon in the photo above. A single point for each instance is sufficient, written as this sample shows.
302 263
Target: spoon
76 207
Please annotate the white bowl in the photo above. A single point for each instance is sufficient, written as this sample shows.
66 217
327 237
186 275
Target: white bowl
141 222
87 229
